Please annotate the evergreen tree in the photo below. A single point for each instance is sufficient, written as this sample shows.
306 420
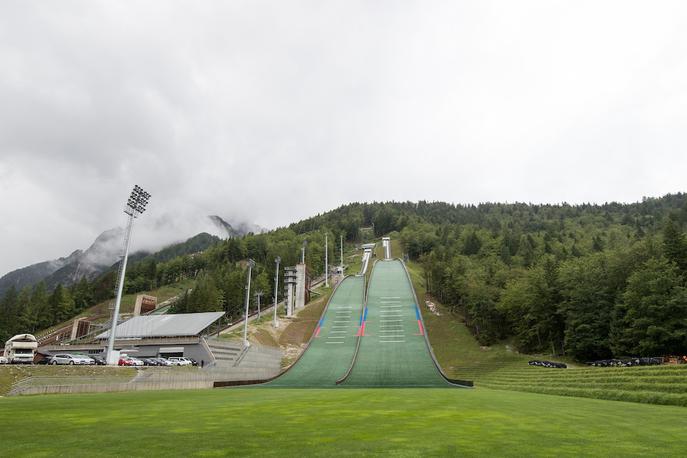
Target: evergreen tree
674 245
472 244
651 318
61 304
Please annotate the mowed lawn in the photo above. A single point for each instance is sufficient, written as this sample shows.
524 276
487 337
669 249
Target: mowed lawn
337 422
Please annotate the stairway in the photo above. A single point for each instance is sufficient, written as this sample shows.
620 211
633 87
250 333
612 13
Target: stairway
257 362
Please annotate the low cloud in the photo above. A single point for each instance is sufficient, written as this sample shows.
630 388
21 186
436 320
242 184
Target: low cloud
269 112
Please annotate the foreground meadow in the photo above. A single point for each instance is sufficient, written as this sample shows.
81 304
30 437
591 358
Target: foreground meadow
337 422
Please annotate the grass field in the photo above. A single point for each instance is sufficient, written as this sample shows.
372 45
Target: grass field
339 422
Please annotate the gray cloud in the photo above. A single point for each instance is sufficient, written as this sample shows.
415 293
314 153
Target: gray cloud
273 111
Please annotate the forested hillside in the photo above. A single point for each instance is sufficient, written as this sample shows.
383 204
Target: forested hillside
589 281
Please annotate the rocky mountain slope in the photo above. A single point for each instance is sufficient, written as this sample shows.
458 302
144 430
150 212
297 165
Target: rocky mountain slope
103 253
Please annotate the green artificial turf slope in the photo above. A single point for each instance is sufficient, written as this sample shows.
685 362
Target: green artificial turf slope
299 422
330 352
392 350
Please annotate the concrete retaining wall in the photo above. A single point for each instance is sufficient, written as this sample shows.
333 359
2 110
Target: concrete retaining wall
114 387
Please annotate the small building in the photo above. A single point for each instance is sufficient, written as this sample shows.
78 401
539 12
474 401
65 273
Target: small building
144 304
153 335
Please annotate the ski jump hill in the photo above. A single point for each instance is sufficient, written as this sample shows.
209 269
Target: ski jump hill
368 340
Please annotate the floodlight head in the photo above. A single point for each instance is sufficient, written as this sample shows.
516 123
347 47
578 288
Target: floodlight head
251 263
277 259
138 199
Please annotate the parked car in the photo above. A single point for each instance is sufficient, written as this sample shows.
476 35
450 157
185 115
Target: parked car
124 361
99 360
3 360
150 361
179 361
65 358
91 361
163 362
137 361
193 361
129 361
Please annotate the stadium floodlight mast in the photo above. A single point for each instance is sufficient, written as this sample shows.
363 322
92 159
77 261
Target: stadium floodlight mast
276 289
135 206
341 245
251 264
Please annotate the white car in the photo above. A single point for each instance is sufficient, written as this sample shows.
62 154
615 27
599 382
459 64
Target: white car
137 362
91 361
163 362
3 360
65 358
179 361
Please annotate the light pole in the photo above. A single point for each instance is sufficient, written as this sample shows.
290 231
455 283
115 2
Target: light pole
251 264
326 260
276 289
305 243
341 237
135 206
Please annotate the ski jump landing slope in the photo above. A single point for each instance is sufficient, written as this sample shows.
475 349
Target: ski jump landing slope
331 348
393 350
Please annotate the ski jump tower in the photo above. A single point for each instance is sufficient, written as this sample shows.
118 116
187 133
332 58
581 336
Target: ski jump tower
386 244
297 286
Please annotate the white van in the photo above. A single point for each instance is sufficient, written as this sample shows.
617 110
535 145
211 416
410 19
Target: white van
21 349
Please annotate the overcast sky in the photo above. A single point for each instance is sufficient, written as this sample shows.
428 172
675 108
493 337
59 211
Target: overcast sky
274 111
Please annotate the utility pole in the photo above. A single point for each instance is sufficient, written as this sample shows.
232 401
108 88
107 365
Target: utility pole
251 264
135 206
276 290
326 260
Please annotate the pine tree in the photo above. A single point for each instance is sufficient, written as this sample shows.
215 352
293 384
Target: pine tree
61 304
472 244
674 246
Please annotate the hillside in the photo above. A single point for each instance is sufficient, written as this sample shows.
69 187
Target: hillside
584 281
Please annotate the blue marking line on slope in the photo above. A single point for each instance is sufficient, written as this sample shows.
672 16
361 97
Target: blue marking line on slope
417 312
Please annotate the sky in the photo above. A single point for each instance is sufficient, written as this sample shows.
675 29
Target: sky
273 111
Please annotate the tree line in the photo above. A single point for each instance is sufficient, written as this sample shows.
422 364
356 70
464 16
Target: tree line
589 281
